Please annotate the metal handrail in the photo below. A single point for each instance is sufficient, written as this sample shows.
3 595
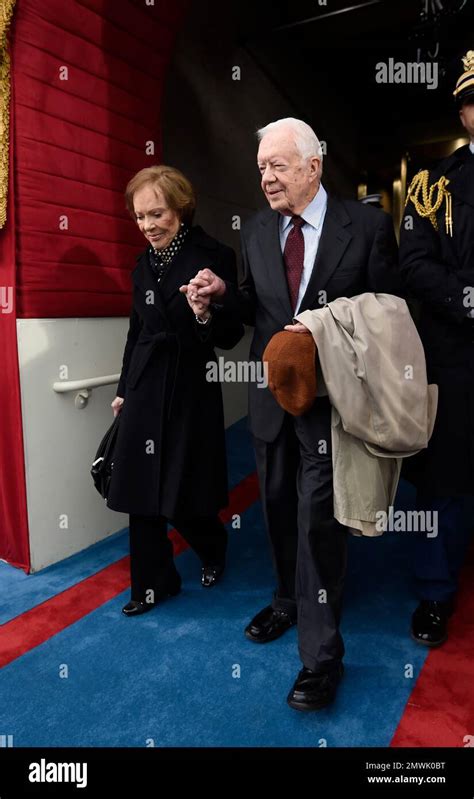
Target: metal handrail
63 386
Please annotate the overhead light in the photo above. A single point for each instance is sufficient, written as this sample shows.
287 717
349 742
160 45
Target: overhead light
325 16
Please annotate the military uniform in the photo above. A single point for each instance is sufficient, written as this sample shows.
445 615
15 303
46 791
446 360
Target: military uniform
437 270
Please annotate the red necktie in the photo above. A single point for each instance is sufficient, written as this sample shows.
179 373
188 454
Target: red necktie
293 255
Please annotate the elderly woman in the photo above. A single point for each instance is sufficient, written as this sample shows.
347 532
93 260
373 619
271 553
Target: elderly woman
169 462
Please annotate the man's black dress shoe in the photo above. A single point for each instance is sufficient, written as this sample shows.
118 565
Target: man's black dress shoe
211 574
429 623
136 608
313 690
268 625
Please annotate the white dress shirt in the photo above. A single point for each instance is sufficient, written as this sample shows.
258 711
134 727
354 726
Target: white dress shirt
313 216
471 147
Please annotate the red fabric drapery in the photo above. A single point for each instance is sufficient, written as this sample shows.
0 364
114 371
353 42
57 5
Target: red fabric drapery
87 81
88 78
14 545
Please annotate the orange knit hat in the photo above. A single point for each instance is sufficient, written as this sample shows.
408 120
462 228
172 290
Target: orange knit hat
291 359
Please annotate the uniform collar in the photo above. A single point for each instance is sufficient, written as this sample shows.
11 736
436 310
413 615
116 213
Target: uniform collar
312 213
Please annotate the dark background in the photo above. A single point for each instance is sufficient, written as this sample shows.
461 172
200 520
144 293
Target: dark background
306 60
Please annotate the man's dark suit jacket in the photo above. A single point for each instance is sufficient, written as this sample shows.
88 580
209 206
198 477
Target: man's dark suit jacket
357 252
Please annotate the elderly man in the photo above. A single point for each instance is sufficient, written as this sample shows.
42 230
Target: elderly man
306 249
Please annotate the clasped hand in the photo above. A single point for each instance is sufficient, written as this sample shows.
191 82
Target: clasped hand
202 289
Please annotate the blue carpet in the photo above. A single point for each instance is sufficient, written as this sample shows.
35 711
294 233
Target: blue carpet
184 674
21 591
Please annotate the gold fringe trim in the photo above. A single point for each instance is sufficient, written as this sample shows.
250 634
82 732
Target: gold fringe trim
425 207
6 13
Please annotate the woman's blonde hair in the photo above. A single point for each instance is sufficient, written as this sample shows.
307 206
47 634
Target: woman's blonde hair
177 190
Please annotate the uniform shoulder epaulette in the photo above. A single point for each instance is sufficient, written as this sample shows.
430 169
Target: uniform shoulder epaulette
421 194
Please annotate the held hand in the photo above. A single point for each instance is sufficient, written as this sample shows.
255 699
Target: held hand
297 328
116 405
208 284
199 305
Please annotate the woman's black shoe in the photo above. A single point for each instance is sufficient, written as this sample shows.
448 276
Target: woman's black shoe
211 574
136 608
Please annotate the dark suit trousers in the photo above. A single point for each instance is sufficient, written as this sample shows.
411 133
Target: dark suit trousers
151 551
438 559
309 546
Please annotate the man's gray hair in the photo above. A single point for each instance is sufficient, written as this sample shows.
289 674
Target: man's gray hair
307 143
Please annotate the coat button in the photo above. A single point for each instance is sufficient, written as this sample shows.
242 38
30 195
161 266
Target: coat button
448 299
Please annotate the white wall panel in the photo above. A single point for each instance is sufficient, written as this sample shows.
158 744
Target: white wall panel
60 441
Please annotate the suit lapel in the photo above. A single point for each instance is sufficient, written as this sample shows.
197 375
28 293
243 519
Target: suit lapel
269 241
198 251
195 254
461 177
144 279
332 245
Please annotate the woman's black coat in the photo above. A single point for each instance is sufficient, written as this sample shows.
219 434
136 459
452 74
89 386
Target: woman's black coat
170 451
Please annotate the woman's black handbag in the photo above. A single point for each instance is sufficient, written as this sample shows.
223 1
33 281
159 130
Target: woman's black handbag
102 466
